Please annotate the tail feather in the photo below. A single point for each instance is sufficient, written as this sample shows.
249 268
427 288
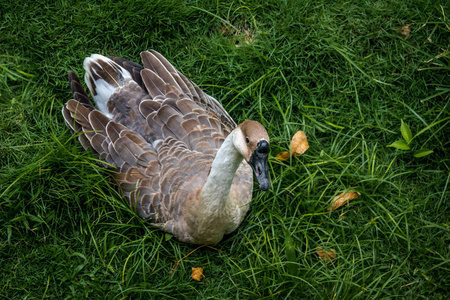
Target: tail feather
133 68
103 77
78 91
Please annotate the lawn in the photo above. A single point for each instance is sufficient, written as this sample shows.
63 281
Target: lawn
353 75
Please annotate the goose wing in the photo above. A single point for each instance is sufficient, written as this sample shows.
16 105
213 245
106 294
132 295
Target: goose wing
162 68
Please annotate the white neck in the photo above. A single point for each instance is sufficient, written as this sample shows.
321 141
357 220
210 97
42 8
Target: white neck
223 170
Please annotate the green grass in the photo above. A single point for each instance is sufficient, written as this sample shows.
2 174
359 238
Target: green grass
341 72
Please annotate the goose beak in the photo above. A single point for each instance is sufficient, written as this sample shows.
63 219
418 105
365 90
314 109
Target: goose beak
258 162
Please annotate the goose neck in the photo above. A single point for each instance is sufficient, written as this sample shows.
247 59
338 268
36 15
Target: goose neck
223 170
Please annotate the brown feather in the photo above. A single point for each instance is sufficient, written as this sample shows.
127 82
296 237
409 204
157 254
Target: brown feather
153 82
151 62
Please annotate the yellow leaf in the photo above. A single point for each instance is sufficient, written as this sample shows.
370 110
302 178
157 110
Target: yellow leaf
283 156
299 143
326 255
342 199
197 274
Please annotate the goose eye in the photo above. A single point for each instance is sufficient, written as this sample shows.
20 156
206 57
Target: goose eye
247 140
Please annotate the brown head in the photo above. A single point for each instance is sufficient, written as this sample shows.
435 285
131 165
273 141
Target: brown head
252 141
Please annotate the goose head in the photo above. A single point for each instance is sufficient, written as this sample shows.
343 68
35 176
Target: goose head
252 141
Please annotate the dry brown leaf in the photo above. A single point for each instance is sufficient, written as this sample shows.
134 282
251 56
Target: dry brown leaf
404 30
197 274
326 255
178 261
283 156
342 199
299 143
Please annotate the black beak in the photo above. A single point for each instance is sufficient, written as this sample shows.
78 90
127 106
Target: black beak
258 162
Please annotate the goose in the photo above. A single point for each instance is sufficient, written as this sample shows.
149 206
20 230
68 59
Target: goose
179 158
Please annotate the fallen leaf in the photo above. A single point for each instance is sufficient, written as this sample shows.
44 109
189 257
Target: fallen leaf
342 199
283 156
178 261
404 30
299 143
197 274
326 255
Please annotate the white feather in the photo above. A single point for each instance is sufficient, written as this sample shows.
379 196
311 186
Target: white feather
102 90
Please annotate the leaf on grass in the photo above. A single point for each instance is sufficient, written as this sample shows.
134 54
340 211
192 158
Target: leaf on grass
283 156
406 132
178 261
400 144
197 274
342 199
326 255
422 152
299 145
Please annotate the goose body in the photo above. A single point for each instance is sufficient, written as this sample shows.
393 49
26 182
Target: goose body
180 159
